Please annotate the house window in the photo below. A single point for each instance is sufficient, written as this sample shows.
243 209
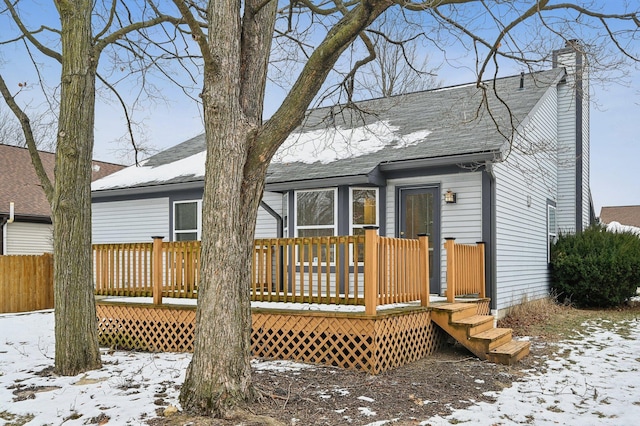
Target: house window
316 216
363 209
552 229
187 220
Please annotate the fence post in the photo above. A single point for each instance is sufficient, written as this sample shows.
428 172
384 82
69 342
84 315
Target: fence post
423 242
156 268
449 246
481 269
370 269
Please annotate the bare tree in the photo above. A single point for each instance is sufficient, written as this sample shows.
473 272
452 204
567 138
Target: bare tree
81 46
235 40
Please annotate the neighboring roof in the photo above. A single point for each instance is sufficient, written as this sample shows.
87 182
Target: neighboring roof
625 215
21 185
344 142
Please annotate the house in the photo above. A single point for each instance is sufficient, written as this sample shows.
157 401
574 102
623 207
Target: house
508 169
29 230
624 215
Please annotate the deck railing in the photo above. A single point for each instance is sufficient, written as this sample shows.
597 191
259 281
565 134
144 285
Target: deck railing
364 270
465 269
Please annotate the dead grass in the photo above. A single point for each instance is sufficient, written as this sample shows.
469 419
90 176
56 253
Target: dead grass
547 319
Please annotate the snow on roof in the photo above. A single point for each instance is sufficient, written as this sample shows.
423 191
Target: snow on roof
137 175
323 145
339 143
618 227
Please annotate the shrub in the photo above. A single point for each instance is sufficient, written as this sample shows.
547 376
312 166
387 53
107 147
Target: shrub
596 268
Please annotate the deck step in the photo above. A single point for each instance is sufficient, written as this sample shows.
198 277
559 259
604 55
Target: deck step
457 310
493 337
510 352
475 324
477 333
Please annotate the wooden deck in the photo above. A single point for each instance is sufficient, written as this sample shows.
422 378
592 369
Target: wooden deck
384 279
352 340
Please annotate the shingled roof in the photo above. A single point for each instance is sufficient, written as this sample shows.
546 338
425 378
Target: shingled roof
21 186
625 215
338 142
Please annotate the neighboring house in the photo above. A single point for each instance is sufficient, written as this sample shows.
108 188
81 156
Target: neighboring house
30 232
430 161
624 215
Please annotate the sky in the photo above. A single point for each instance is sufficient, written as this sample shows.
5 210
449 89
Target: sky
590 379
168 120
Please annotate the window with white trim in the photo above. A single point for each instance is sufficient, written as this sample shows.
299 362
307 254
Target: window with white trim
363 211
285 215
187 220
316 215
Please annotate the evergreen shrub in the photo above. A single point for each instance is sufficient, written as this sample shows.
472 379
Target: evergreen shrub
596 268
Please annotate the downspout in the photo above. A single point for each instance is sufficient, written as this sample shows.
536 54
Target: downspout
276 216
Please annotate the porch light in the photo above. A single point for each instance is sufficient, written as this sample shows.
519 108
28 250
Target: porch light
450 197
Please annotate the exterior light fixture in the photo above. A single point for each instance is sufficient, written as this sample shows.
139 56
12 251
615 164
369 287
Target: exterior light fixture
450 197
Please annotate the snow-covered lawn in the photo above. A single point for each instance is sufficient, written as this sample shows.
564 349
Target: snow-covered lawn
593 379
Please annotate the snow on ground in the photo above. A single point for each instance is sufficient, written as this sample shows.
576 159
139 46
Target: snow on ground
591 380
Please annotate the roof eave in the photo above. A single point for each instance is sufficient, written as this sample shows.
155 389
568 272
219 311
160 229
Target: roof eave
147 189
493 155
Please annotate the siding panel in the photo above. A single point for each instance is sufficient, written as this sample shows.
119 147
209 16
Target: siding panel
524 183
130 221
266 225
29 238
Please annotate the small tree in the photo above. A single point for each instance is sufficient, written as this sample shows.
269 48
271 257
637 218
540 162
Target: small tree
69 195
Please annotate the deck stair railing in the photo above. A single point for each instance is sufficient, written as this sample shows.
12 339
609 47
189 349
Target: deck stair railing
465 269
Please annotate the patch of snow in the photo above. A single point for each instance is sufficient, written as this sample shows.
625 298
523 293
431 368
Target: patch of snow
366 411
192 166
590 379
618 227
366 399
279 366
264 305
338 143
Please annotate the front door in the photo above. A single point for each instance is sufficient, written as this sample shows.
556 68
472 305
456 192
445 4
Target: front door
419 213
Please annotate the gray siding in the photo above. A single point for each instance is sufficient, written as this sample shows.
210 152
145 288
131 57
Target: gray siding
524 183
462 220
28 238
130 221
266 225
566 158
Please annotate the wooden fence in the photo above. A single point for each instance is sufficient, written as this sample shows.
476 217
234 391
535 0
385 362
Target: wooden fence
465 269
26 283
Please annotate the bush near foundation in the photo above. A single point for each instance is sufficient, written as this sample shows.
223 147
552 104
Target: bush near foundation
596 268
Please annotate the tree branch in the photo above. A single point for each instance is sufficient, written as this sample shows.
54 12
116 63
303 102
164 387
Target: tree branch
31 143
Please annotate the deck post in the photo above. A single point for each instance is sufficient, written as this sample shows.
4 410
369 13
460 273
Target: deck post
370 269
449 246
423 242
156 268
481 270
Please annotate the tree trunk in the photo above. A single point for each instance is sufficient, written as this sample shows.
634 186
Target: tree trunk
75 311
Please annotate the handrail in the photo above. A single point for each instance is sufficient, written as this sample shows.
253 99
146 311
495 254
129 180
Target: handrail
465 269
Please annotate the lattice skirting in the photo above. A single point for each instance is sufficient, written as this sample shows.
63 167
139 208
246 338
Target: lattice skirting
352 341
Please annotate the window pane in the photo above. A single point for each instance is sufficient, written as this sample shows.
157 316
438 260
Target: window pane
186 216
315 208
364 206
187 236
314 255
552 220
